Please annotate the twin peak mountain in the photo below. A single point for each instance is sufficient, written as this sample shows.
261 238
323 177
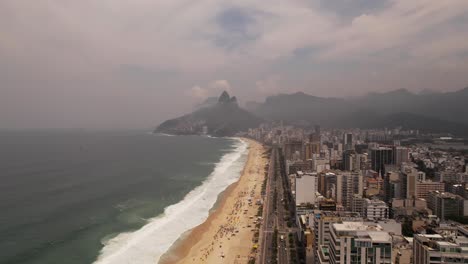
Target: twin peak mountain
225 118
440 112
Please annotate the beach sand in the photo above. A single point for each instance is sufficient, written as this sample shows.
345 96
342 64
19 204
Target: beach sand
227 235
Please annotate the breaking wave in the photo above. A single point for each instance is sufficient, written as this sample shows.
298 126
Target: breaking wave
149 243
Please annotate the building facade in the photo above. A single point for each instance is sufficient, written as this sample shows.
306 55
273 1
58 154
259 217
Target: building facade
436 249
380 157
354 242
375 209
446 205
424 187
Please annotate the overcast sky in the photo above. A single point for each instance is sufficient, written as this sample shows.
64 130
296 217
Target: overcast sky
132 64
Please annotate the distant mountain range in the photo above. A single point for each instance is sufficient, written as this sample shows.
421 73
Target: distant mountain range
426 111
223 118
434 112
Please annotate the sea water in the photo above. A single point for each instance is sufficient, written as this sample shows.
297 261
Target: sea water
107 197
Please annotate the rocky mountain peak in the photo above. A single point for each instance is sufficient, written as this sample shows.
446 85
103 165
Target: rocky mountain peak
224 98
224 118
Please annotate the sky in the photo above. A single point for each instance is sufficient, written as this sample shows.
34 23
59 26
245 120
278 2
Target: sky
109 64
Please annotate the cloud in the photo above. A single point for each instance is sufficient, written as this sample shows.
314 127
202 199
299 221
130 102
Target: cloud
192 37
404 25
214 88
77 49
197 92
269 85
220 86
351 8
236 28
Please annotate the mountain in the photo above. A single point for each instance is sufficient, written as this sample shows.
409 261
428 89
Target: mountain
299 107
436 112
225 118
208 102
410 121
428 91
450 106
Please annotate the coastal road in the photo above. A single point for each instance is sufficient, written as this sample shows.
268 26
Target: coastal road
283 247
276 214
269 219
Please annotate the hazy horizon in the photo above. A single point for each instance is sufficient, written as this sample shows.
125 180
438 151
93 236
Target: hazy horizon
131 65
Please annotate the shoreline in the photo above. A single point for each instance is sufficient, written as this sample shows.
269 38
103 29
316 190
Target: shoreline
223 236
150 242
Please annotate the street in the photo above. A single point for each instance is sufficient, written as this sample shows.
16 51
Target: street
274 238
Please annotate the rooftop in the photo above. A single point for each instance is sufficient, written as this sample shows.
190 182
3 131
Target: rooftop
350 226
358 229
437 242
319 213
379 236
446 195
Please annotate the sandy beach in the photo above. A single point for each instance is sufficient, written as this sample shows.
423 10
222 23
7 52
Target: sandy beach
227 236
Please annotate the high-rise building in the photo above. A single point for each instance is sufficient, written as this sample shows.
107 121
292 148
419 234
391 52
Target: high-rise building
340 186
380 157
348 184
424 187
322 184
358 204
320 164
312 149
327 184
314 137
307 151
388 195
436 249
392 186
348 141
351 160
445 204
408 179
295 166
348 160
314 144
291 148
401 155
306 188
375 209
317 129
354 242
321 226
458 189
451 176
358 183
327 205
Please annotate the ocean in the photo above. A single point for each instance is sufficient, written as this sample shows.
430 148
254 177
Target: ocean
107 197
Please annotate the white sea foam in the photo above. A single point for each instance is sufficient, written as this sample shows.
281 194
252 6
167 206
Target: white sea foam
147 244
162 134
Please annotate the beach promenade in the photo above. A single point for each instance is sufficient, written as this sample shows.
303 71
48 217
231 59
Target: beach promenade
227 235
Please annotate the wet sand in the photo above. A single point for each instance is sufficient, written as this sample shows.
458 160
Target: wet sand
228 233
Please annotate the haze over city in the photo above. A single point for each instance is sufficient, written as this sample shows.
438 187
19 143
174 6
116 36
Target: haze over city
133 64
233 131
